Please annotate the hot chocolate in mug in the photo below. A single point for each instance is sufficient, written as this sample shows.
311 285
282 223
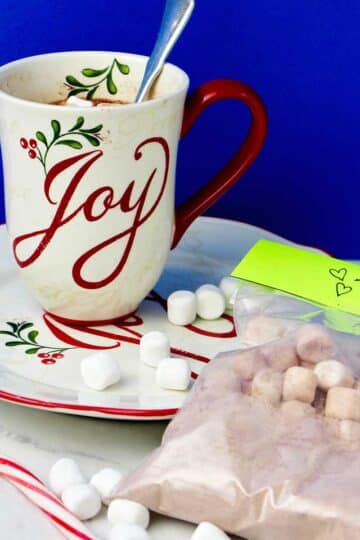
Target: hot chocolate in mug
89 191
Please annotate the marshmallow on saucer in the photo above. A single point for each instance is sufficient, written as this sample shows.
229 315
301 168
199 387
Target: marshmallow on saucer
82 500
299 384
210 302
100 370
181 308
228 286
128 531
208 531
124 510
154 347
332 373
79 102
105 482
64 473
173 374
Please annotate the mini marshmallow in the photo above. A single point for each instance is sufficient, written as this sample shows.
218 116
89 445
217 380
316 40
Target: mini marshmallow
128 531
281 355
248 363
228 286
105 482
125 511
332 373
208 531
349 430
297 408
82 500
100 370
210 302
343 403
314 343
181 308
267 384
154 347
262 329
64 473
299 384
173 374
78 102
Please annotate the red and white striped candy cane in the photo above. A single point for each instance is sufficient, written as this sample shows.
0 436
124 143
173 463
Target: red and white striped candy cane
50 505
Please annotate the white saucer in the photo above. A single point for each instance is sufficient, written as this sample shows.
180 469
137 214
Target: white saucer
210 250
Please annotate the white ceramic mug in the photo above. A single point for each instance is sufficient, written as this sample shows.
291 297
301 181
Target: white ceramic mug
90 191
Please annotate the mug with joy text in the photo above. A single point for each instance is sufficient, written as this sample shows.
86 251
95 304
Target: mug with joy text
89 191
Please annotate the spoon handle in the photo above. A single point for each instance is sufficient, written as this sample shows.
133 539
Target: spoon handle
175 18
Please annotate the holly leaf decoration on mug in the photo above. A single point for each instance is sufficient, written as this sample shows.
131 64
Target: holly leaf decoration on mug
74 138
101 75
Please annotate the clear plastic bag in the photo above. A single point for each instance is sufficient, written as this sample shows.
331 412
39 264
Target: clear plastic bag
267 447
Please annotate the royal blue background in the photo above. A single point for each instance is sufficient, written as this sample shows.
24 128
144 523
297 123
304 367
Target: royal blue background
303 59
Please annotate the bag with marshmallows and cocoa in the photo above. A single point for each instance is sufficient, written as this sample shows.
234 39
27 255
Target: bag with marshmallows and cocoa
267 446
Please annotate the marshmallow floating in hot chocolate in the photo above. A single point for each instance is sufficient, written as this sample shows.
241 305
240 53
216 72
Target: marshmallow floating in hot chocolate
100 370
154 347
181 308
64 473
173 374
123 510
105 482
78 102
82 500
210 302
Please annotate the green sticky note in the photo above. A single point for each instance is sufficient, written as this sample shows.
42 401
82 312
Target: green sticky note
318 278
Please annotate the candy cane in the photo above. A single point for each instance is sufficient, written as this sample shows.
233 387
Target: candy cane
38 494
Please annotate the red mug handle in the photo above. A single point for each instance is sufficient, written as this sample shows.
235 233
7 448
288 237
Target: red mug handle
204 96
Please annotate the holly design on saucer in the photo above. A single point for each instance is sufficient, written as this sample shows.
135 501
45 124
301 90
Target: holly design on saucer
73 138
97 77
24 334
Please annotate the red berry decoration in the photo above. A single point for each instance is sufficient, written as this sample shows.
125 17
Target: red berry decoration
48 361
44 355
33 143
32 154
24 143
57 356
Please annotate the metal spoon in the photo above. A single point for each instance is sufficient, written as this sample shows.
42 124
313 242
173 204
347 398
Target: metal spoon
176 15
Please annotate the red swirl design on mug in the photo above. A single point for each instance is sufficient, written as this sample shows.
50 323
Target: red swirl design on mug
104 195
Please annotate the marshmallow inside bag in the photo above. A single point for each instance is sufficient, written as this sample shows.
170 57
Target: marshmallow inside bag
181 308
173 374
314 343
299 384
349 430
124 510
343 403
229 286
297 409
262 329
267 385
64 473
154 347
79 102
208 531
332 373
128 531
83 500
210 302
106 481
100 370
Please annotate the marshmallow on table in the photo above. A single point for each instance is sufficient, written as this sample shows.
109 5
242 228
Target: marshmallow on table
154 347
261 329
173 374
299 384
228 286
208 531
181 308
83 500
128 531
297 408
343 403
314 343
210 302
100 370
124 510
105 482
267 384
349 430
332 373
64 473
78 102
